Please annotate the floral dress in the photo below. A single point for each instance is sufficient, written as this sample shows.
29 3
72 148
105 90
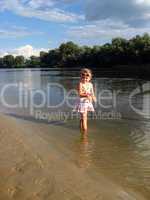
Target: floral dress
83 104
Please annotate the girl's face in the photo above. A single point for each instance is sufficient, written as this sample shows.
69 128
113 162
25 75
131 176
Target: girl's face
86 77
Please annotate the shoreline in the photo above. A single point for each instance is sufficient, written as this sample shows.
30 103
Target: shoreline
34 167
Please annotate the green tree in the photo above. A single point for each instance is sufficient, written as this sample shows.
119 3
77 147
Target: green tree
19 61
86 58
43 58
50 59
68 52
1 62
9 61
33 61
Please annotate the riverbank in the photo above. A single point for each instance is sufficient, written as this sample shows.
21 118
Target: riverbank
42 168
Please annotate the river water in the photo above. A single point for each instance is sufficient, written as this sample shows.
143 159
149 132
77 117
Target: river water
118 143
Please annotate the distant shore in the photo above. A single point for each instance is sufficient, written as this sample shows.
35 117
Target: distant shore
131 56
32 167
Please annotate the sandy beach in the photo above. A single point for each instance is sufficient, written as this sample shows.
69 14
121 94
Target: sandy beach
35 164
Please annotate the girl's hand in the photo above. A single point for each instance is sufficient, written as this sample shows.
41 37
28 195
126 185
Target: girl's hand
90 98
94 98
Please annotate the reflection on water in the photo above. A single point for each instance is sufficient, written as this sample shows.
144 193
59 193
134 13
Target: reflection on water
85 151
120 148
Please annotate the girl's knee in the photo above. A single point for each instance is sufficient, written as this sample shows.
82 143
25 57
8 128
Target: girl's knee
83 116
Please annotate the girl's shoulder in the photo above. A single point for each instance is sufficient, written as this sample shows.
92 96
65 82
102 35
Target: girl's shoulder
79 84
90 84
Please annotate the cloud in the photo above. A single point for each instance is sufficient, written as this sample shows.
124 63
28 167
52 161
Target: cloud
103 20
26 51
106 19
16 32
39 9
36 4
46 3
104 30
128 11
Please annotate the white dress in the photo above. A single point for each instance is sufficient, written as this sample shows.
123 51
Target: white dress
83 104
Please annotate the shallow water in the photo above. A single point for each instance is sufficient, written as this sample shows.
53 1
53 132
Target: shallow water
118 141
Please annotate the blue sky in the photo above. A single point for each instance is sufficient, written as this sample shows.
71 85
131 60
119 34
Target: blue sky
29 26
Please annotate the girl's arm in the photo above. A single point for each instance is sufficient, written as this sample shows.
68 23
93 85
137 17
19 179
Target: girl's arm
81 92
93 94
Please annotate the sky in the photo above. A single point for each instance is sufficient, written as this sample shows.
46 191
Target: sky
30 26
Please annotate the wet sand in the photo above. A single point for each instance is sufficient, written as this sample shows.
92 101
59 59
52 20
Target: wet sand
39 167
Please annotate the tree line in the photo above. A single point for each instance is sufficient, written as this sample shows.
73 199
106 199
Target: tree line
121 51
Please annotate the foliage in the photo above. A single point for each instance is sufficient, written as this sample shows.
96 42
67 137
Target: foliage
19 61
117 53
8 61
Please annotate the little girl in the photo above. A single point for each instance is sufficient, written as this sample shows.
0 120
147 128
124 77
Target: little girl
86 97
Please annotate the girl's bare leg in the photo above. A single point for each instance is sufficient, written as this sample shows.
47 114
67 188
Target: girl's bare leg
83 122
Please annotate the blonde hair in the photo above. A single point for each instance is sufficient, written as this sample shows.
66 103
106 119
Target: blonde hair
86 70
